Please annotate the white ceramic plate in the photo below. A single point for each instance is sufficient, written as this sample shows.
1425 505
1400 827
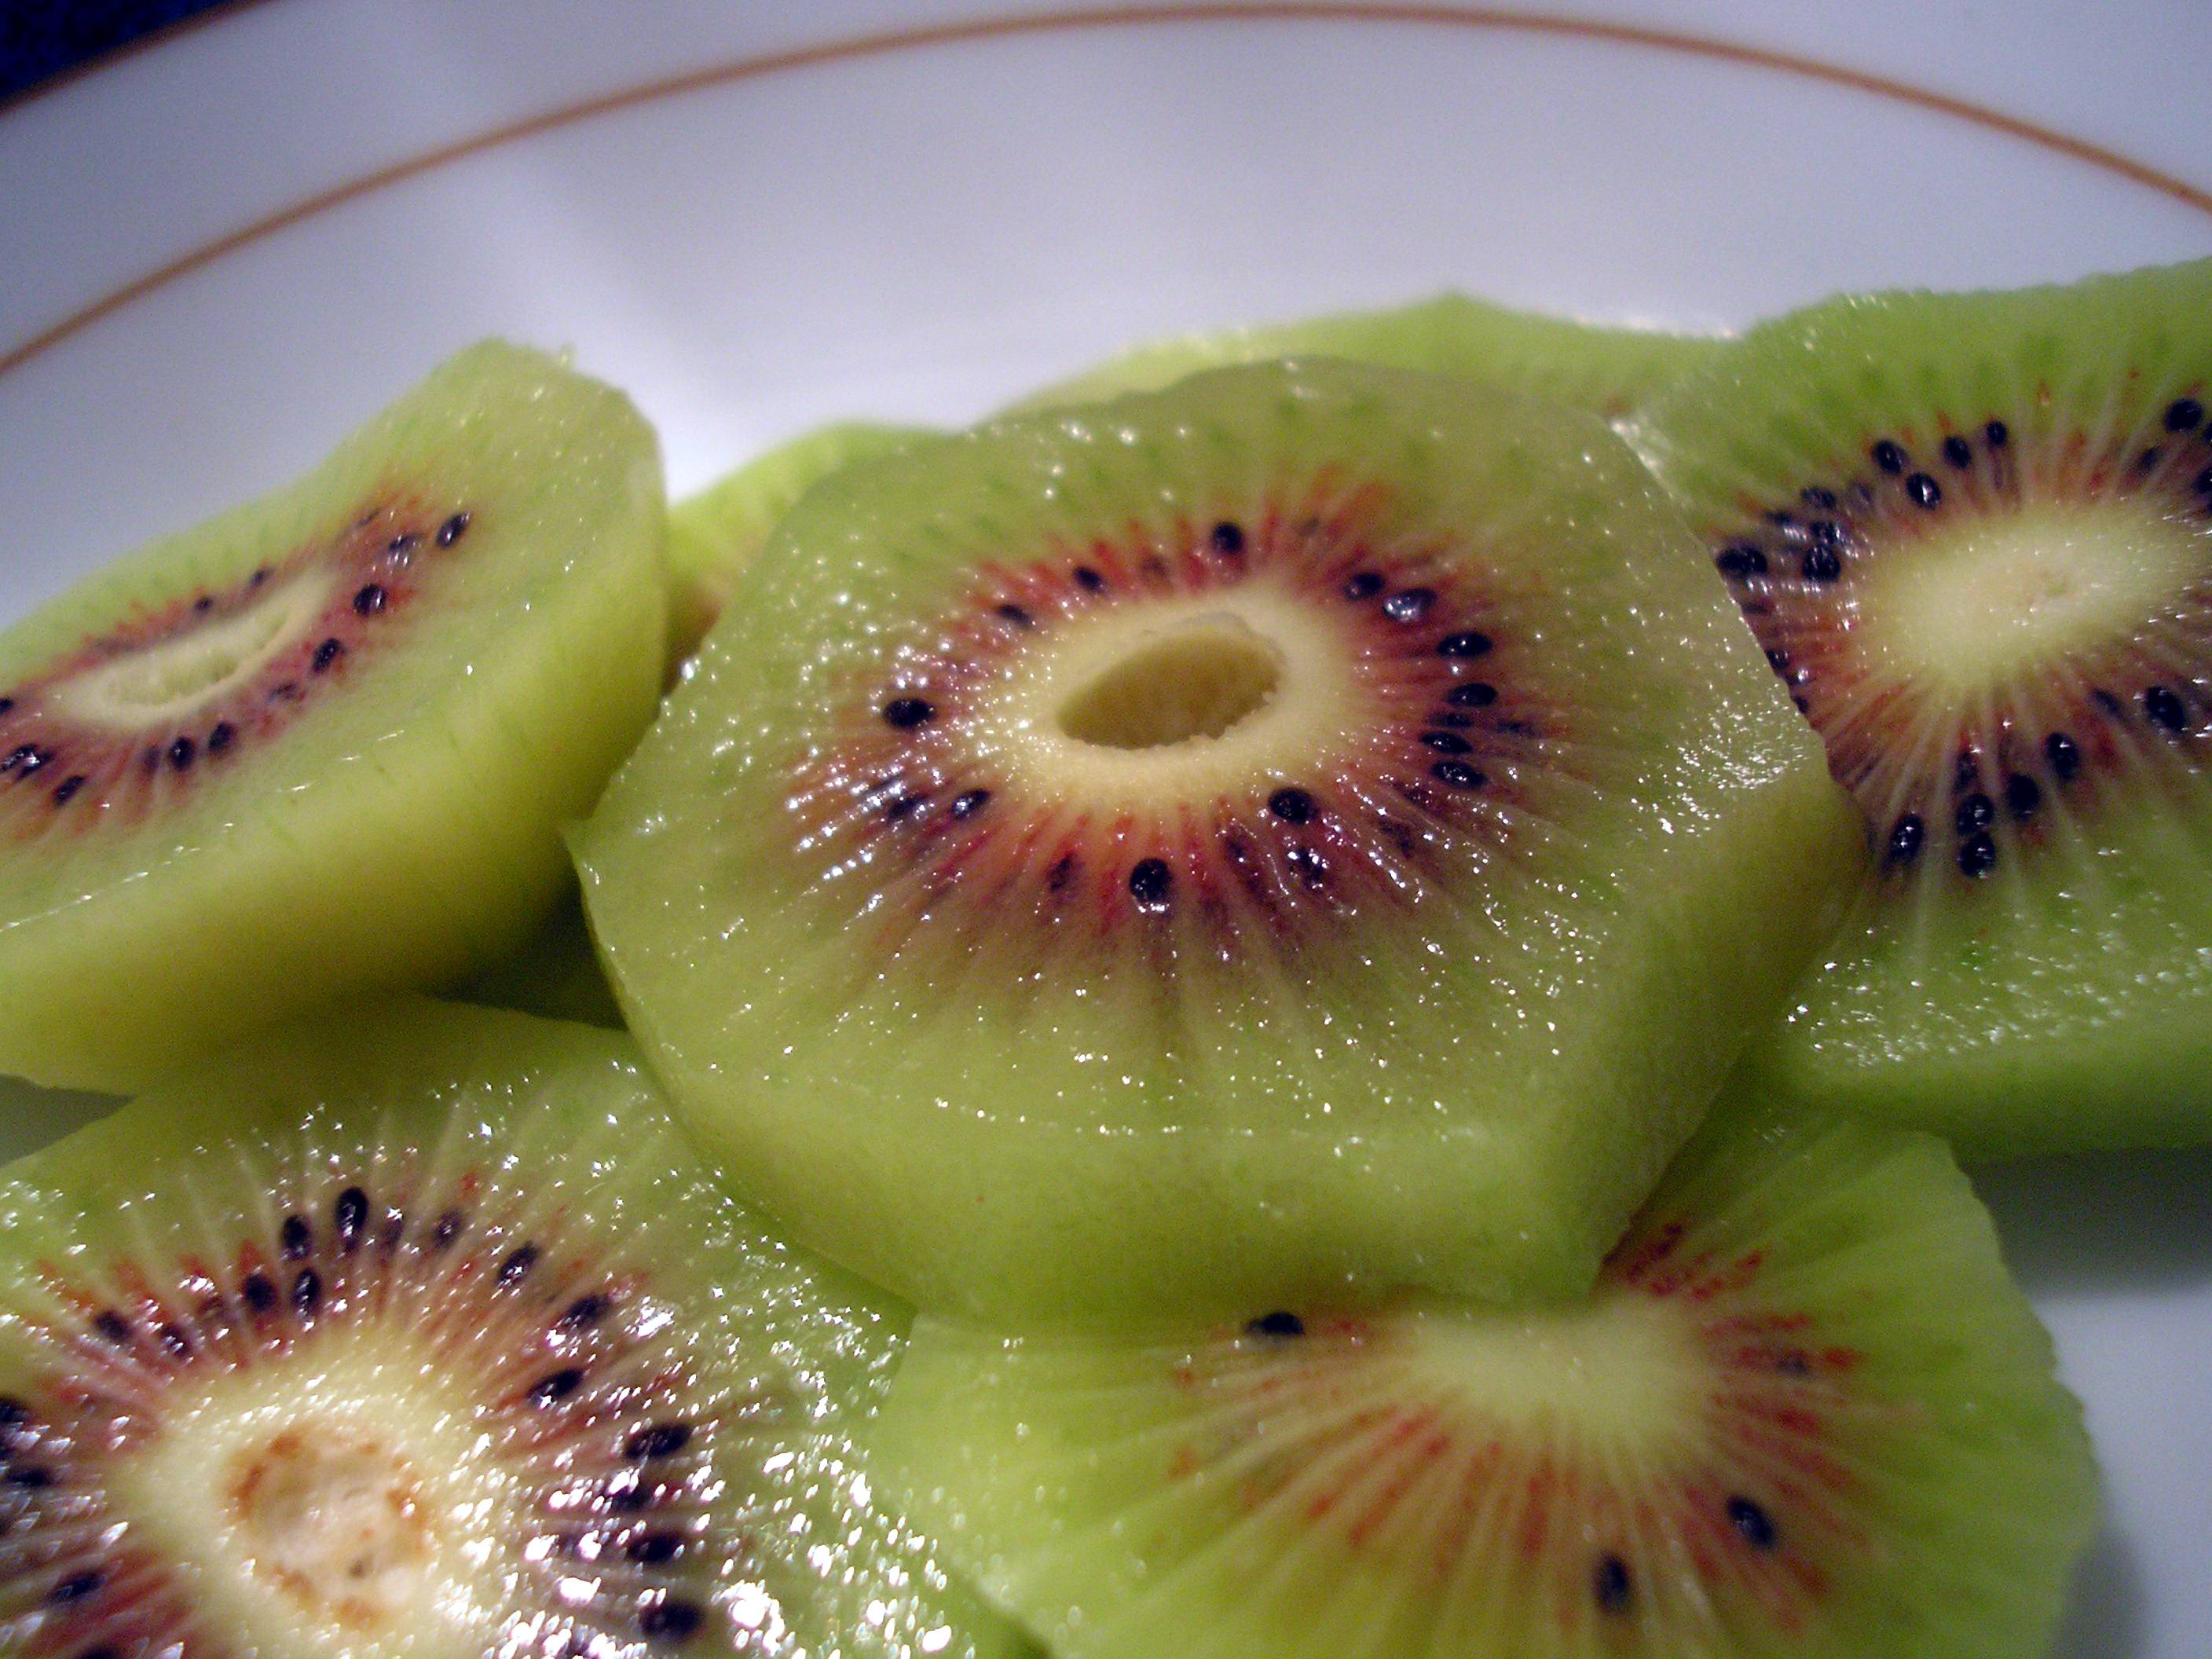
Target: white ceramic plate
754 228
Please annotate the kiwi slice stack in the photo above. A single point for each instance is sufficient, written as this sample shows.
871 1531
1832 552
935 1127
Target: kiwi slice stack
433 1339
1973 534
1316 826
324 742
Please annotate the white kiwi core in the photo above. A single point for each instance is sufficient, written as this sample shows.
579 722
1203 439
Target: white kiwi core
1185 699
1977 605
341 1500
165 682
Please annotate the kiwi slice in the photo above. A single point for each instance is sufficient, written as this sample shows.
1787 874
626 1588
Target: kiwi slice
1610 372
1805 1414
425 1333
1310 828
1973 533
712 536
326 741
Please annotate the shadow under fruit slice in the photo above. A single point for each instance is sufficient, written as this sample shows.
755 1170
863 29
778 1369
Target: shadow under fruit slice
324 741
1805 1414
713 534
1313 828
1609 372
427 1335
1974 534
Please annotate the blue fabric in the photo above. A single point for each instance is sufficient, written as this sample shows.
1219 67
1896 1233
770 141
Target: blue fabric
39 39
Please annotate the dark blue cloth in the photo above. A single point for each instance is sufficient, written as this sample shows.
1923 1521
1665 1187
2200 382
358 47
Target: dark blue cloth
39 39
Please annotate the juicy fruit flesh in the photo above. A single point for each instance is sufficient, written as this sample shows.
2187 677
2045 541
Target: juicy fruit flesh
956 928
1803 1413
1973 533
324 743
432 1341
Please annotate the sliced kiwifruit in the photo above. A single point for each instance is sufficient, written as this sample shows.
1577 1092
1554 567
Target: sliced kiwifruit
326 741
1310 828
1974 534
423 1333
1610 372
713 535
1804 1415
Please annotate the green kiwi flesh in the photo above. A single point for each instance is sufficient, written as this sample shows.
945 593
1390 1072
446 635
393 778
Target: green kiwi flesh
424 1331
556 975
1805 1414
713 535
1974 532
1309 831
1609 372
324 742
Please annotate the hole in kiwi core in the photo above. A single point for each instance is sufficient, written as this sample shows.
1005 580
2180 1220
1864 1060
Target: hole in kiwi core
1198 680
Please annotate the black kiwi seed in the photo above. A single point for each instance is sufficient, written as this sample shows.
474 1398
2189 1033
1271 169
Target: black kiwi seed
174 1341
656 1440
2202 483
103 1651
1016 615
75 1588
447 1228
556 1386
2184 415
295 1237
112 1327
350 1215
1978 854
517 1265
1958 451
31 1478
585 1310
1089 581
672 1619
1828 533
25 759
2023 794
654 1549
1977 812
1458 774
1410 604
1738 563
968 802
453 529
1906 836
403 544
1818 497
2063 754
1061 874
1228 538
1997 434
1753 1523
1363 585
1611 1585
2148 460
257 577
907 712
1311 866
306 1292
65 791
1888 456
287 692
1821 565
221 737
1468 642
1966 768
2110 704
260 1295
1150 882
1280 1323
368 600
1447 743
1925 490
2164 709
902 807
326 653
182 753
1291 805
